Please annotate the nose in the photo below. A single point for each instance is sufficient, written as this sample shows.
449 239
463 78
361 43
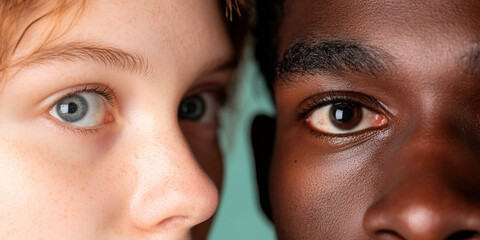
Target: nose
430 192
172 193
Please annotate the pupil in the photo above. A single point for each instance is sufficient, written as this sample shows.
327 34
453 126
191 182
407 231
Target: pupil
72 107
189 107
345 116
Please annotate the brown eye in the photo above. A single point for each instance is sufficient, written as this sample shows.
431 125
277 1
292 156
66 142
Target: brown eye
344 118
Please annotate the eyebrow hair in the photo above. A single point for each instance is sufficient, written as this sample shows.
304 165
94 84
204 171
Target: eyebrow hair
333 57
85 51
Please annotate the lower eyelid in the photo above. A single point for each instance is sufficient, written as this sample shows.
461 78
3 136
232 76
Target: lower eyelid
61 126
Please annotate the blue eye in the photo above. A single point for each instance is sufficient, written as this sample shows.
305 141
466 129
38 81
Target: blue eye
202 107
82 109
192 108
72 109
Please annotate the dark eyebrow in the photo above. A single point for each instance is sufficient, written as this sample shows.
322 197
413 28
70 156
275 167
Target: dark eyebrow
85 51
333 57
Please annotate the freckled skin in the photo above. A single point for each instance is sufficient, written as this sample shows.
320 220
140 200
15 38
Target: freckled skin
415 178
143 174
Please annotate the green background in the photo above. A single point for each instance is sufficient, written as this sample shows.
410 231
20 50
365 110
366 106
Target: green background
239 215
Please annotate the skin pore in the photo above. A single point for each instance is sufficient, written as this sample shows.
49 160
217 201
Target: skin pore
377 130
142 161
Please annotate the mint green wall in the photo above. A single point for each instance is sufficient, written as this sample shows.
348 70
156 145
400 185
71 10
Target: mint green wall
239 215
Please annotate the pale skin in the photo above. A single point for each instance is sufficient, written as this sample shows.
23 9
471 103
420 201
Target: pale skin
140 171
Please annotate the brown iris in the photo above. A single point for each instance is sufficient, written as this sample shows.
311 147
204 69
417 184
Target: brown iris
345 116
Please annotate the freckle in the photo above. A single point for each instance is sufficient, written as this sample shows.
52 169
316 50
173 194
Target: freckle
74 166
295 161
83 189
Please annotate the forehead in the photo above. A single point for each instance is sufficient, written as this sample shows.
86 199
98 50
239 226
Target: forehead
377 20
168 34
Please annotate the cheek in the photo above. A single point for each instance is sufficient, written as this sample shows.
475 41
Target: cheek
50 188
318 193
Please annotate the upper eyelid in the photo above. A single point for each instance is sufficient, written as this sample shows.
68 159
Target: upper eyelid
84 88
326 98
219 90
105 92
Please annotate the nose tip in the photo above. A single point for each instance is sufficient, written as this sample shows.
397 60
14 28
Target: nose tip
174 209
172 193
422 212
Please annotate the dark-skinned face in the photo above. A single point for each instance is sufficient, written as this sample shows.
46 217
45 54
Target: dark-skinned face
378 125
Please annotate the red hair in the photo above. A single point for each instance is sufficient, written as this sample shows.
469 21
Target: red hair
12 32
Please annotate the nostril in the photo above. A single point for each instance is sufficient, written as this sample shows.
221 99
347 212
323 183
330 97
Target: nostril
388 235
464 235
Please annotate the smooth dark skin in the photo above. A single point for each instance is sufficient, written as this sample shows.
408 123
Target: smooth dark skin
418 176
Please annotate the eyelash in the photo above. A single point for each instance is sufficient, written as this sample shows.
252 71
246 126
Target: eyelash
103 91
326 98
106 92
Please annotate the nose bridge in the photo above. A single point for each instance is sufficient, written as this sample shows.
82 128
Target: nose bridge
172 191
430 188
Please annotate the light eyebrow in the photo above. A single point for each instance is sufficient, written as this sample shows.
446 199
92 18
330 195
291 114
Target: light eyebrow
109 56
333 57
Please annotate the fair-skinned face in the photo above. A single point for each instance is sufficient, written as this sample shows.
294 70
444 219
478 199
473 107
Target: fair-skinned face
97 144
